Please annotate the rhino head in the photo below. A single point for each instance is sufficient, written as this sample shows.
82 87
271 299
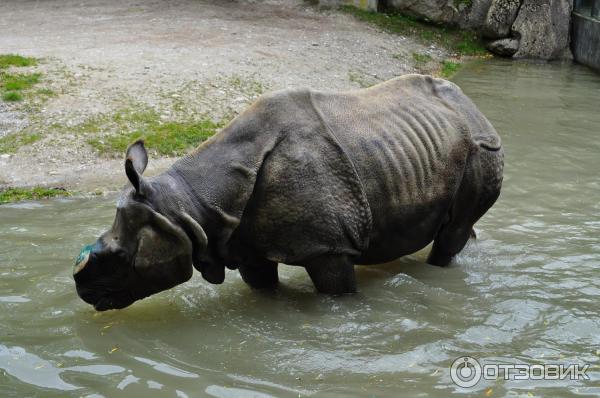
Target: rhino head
144 252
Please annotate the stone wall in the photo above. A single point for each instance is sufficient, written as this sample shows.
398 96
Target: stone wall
586 40
512 28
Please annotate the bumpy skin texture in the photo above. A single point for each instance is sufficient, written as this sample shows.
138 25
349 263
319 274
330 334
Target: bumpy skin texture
328 180
369 176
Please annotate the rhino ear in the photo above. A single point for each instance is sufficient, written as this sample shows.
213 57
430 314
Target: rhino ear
136 160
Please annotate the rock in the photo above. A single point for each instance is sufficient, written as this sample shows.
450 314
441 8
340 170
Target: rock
370 5
474 16
528 28
499 18
504 47
543 28
439 11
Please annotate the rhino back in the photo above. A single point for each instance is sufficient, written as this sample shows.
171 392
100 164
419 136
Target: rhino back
409 140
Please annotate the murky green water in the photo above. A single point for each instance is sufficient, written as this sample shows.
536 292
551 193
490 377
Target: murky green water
527 291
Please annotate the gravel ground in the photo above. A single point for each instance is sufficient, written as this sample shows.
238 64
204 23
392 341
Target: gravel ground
208 57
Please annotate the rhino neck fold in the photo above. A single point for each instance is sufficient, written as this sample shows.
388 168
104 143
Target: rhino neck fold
214 183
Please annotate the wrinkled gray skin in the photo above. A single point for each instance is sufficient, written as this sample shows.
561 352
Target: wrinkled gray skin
315 179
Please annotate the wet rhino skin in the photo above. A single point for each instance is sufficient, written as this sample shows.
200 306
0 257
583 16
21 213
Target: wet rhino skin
315 179
327 180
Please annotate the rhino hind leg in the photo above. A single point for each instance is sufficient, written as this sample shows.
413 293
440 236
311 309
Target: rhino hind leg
477 193
446 246
260 276
452 238
332 274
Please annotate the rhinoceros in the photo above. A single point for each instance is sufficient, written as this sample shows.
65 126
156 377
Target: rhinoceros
310 178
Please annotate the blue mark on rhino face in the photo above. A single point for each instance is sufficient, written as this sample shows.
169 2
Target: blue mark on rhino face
83 256
84 253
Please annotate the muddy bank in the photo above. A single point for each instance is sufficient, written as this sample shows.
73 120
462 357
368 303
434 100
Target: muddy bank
179 60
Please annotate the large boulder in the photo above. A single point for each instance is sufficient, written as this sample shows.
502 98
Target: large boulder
500 17
542 27
525 28
472 15
438 11
506 47
467 14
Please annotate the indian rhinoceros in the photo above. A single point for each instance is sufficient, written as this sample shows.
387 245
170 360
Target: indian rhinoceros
316 179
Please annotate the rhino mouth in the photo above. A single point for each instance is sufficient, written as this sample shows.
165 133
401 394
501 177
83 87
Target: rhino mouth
113 302
104 301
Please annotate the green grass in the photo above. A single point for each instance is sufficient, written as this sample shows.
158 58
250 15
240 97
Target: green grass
45 92
460 42
12 85
7 60
18 82
11 96
361 79
12 142
37 193
170 138
421 58
248 86
449 68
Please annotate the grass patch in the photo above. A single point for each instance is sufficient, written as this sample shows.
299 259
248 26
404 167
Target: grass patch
248 86
457 41
7 60
12 142
12 85
361 79
18 82
449 68
46 92
37 193
172 138
421 58
11 96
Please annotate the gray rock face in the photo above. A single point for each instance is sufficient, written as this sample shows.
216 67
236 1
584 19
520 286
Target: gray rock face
466 15
500 17
473 17
522 28
505 47
440 11
543 28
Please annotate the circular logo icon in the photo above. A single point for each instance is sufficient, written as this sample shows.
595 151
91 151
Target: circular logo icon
465 372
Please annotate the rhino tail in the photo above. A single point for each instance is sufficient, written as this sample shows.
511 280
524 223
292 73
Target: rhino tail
491 142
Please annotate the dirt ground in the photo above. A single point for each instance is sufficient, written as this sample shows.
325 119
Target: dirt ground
207 57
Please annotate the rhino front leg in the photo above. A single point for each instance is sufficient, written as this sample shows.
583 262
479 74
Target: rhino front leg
332 274
260 276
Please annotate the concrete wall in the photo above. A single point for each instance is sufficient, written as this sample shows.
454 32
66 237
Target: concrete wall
585 40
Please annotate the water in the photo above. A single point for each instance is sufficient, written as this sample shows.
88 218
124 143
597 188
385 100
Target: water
527 291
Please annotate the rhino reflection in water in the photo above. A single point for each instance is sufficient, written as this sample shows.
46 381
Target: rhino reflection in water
316 179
